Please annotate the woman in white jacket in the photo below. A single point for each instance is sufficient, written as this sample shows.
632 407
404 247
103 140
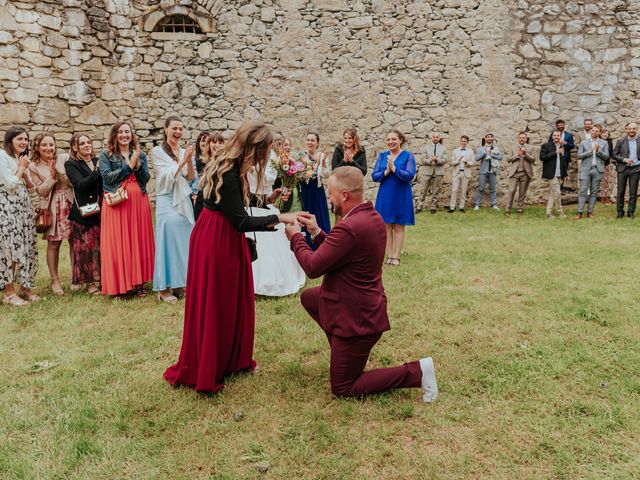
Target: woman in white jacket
176 182
18 244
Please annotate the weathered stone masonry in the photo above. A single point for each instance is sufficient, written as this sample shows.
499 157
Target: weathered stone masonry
460 66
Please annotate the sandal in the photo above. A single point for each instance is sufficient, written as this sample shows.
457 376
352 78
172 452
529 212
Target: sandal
170 299
29 296
396 262
93 290
141 292
57 290
389 261
14 300
74 287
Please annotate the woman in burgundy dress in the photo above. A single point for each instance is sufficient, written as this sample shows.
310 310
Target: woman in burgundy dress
219 309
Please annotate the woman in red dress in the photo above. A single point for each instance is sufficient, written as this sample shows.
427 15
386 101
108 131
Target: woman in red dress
127 247
220 309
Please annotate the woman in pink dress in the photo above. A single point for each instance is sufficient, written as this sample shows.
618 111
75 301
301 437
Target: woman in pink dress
55 192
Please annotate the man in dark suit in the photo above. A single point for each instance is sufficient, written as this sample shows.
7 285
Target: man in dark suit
625 154
551 156
567 142
350 306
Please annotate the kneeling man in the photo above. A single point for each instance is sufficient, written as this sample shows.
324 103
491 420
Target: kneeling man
350 305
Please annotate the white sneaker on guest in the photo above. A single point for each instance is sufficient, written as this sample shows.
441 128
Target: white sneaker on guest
429 384
476 207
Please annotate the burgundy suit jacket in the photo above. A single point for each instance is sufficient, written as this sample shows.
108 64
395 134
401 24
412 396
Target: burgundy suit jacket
352 299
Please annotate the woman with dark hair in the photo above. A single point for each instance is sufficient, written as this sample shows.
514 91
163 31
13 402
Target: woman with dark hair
312 194
54 189
350 153
395 169
201 144
18 244
127 248
220 310
209 148
176 182
84 175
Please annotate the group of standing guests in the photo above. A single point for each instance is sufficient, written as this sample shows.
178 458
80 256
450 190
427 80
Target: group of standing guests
99 204
594 153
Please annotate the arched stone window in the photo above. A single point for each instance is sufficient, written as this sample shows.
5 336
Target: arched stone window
177 24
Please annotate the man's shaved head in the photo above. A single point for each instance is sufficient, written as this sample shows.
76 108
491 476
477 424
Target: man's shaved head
348 179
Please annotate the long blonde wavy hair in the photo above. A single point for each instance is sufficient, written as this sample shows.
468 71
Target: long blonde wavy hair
248 147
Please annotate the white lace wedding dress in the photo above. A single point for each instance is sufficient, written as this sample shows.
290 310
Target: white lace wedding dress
276 272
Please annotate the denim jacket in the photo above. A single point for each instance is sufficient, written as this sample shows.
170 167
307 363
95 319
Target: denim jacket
115 170
487 161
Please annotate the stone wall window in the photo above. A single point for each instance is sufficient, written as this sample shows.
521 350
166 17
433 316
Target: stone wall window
178 24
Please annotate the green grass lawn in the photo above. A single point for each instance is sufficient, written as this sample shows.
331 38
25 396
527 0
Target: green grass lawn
533 325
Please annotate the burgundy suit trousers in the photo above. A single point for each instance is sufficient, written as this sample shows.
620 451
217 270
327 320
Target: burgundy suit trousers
349 356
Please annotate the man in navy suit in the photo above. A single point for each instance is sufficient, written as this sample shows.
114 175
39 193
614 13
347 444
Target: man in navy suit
566 140
627 158
350 306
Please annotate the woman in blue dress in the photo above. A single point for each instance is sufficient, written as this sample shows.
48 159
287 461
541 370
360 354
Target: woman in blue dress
312 194
176 182
395 169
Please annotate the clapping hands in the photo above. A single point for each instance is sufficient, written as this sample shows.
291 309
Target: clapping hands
134 161
188 153
348 156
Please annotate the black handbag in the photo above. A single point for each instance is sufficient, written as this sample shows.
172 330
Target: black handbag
252 243
253 248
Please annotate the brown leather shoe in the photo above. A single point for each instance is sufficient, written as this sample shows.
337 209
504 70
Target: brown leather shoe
578 216
590 215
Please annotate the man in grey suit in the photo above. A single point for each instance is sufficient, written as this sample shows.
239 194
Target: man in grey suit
520 172
592 153
489 156
625 154
431 173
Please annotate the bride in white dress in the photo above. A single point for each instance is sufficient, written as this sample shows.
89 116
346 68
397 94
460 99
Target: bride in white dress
276 272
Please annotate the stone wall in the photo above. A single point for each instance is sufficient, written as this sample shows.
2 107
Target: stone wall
459 66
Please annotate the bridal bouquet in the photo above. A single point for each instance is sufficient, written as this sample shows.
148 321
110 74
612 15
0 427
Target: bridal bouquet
292 171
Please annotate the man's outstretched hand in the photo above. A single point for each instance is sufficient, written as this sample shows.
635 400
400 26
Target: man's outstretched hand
309 221
291 229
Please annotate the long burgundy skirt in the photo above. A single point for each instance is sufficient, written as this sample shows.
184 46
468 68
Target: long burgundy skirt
219 314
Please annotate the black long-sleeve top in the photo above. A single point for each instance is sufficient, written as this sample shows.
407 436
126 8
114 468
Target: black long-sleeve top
87 188
232 205
359 159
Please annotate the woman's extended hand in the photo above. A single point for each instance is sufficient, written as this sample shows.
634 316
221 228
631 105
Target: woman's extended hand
287 218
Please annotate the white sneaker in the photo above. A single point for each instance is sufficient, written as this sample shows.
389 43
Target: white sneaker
495 207
429 384
476 207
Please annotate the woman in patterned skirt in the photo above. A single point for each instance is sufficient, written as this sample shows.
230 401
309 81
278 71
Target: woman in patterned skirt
18 244
84 174
53 187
